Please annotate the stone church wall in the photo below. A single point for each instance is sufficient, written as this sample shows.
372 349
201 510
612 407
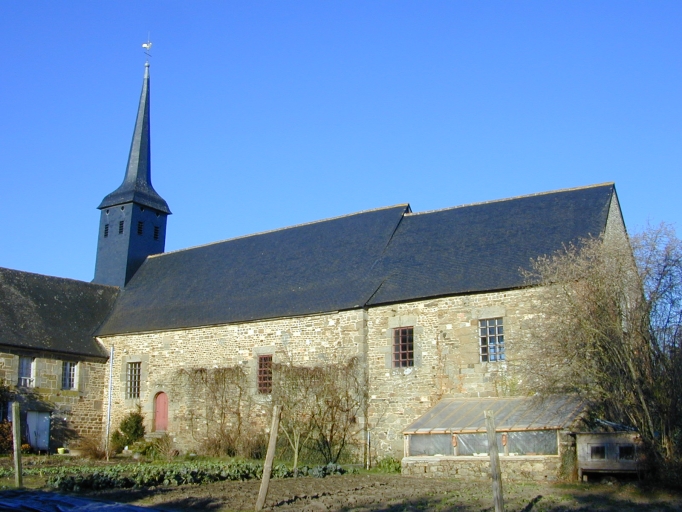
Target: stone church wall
446 359
74 412
305 341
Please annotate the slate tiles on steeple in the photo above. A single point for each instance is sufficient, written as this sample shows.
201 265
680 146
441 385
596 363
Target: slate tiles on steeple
50 314
367 259
137 184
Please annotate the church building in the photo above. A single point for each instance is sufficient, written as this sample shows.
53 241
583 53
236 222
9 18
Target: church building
432 304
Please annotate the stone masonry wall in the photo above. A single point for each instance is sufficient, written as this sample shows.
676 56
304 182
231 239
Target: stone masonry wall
306 341
446 360
537 467
75 412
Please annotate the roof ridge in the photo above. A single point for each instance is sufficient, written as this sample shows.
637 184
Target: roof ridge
89 283
558 191
280 229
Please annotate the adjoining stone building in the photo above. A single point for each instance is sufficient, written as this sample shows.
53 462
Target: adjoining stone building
432 304
49 358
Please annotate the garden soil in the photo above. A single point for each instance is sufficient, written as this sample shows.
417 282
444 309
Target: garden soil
393 493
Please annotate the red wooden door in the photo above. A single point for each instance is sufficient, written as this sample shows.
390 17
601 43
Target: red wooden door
161 412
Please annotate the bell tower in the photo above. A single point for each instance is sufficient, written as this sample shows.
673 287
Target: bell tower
133 217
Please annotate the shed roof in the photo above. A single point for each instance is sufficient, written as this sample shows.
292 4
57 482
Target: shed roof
465 415
365 259
52 314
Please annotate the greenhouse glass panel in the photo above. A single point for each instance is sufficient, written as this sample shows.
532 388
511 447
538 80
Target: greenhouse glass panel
431 444
469 444
534 442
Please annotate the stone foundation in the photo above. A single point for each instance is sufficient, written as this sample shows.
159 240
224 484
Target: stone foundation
514 469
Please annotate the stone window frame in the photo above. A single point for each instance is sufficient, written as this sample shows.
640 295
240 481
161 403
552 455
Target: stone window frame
144 369
398 322
403 347
26 380
491 351
266 350
74 368
487 313
265 374
133 379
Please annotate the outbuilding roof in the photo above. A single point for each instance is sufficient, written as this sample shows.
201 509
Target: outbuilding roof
376 257
52 314
465 415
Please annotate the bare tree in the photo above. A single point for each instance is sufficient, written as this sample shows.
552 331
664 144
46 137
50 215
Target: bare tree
320 406
294 388
341 400
222 404
608 328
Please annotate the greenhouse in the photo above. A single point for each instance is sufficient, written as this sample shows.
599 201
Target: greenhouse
524 425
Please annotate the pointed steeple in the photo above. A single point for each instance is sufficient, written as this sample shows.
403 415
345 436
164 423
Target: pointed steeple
137 184
133 217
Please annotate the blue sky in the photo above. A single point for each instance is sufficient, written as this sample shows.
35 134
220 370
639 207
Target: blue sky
270 114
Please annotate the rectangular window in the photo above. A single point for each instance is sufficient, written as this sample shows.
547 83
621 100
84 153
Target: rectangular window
265 374
156 232
69 375
26 372
597 452
140 227
491 340
133 377
403 347
106 230
626 452
120 227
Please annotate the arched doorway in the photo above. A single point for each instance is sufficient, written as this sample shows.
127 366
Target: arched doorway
160 412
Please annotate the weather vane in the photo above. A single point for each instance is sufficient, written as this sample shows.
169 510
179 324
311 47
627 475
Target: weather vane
147 48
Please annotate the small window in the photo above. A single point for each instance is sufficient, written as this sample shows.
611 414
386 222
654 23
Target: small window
156 232
133 378
265 374
597 452
491 336
403 347
26 372
140 227
120 227
626 452
69 375
106 230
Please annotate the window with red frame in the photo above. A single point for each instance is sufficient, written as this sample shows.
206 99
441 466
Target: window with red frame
265 374
403 347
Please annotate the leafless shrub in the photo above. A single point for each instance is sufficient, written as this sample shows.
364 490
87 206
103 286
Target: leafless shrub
92 448
222 407
320 406
610 331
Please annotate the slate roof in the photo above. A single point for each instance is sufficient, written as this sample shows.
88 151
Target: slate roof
44 313
366 259
481 247
460 415
321 266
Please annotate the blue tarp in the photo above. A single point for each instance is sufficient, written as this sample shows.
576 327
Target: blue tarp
39 501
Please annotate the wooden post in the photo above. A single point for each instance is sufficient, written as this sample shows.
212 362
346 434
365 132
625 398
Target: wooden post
16 433
267 469
495 470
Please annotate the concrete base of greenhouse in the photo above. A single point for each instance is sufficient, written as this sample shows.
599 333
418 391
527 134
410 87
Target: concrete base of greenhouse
515 468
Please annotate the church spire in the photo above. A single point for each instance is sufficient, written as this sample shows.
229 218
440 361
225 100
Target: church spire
137 184
133 217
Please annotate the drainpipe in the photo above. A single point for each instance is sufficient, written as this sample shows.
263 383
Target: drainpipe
111 384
